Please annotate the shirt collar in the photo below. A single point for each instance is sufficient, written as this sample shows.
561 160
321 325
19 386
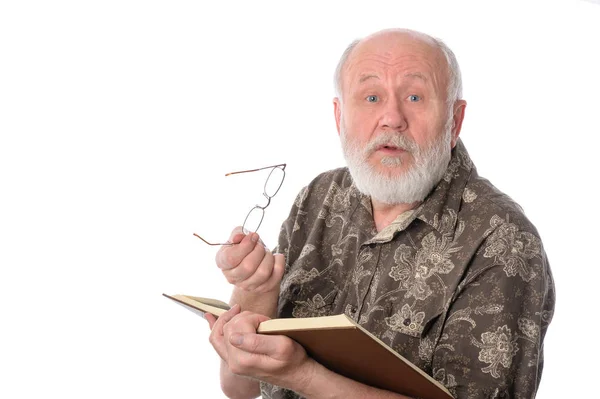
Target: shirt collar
440 208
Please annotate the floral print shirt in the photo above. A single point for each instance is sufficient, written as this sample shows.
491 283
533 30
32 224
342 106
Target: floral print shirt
460 286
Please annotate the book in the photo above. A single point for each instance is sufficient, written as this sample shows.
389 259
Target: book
340 344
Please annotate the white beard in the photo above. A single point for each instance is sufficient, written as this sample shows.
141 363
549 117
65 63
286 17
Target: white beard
412 185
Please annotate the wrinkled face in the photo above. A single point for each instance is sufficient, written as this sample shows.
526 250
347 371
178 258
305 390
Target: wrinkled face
395 84
393 110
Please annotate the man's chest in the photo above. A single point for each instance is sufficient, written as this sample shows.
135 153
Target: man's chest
397 289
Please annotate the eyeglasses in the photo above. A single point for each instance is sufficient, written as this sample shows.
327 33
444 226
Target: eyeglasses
255 216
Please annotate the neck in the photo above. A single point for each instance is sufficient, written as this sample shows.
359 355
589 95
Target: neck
385 214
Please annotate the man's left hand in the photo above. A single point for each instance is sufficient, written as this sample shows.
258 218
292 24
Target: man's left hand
275 359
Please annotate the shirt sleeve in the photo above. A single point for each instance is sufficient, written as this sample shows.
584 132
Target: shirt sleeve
289 231
491 345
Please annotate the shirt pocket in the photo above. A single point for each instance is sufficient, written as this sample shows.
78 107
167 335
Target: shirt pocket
412 319
409 329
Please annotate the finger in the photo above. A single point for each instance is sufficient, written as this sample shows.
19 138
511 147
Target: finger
237 234
275 279
262 273
226 317
235 237
211 320
277 347
216 337
245 322
230 256
247 266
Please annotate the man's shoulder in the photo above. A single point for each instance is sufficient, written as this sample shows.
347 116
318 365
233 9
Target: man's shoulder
508 244
331 182
340 176
485 201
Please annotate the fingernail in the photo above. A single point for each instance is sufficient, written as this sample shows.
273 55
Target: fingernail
254 237
236 339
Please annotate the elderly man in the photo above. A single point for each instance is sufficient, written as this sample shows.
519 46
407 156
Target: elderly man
408 241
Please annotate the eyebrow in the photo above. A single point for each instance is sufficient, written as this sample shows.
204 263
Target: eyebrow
367 77
415 75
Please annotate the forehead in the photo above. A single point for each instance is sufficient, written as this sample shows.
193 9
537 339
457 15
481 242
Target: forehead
396 57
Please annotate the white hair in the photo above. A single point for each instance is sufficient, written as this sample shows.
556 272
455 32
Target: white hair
455 79
414 184
337 77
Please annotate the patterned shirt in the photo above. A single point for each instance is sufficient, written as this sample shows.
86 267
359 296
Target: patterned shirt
460 286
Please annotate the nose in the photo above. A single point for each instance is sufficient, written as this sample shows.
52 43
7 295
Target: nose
393 117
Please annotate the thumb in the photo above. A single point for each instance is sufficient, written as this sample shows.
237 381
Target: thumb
278 267
257 344
237 235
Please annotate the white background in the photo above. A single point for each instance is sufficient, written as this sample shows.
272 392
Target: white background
119 119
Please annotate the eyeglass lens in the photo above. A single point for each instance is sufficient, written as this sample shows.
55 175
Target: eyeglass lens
256 214
274 182
253 220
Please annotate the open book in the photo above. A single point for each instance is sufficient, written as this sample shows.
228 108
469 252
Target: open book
342 346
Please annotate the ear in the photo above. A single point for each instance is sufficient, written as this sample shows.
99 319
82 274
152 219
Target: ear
457 118
337 112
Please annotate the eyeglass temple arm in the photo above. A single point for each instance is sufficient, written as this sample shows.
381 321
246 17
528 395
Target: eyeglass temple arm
255 170
210 243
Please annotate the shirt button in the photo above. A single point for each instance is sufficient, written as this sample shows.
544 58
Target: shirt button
353 309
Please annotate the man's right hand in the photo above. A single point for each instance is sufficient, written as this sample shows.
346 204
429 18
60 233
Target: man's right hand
249 265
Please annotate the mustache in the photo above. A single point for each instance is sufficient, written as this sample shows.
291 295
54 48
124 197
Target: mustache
391 139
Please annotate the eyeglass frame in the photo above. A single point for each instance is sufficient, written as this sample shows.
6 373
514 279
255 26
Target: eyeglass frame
273 167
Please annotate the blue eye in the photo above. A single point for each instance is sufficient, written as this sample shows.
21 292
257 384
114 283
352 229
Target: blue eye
414 98
372 99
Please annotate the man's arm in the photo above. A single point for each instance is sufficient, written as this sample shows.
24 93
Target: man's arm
492 342
264 303
327 384
256 274
232 385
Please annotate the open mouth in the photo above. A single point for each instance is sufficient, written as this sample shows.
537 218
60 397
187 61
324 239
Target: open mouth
390 148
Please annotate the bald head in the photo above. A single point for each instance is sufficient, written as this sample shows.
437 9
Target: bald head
390 41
